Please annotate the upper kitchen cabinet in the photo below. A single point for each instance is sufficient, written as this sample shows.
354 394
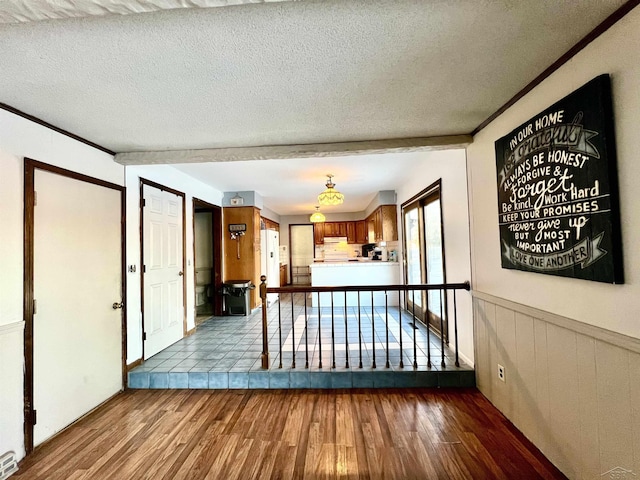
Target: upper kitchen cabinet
379 226
361 232
357 232
318 233
335 229
382 224
351 232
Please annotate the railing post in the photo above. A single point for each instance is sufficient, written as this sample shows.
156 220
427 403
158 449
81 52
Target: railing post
306 333
293 333
386 326
415 329
333 334
265 341
279 335
319 332
455 324
373 332
442 333
400 325
346 330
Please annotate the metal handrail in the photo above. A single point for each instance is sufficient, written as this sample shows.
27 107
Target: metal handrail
360 288
370 288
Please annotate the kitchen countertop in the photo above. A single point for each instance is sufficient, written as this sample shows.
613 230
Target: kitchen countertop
361 273
359 263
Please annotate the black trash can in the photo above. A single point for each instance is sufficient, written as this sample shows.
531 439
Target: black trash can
236 297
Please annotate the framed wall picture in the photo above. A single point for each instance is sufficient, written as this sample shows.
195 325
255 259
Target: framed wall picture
558 207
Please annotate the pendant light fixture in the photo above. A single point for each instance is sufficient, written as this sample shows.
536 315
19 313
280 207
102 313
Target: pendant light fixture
317 217
330 196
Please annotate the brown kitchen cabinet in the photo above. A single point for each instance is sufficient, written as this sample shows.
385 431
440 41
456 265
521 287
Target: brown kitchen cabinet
318 233
270 224
382 224
357 232
242 256
361 231
351 232
335 229
379 226
283 275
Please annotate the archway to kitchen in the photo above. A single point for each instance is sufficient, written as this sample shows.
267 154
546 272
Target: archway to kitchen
373 196
207 259
301 248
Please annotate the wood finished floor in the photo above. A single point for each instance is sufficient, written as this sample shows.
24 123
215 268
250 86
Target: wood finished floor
246 434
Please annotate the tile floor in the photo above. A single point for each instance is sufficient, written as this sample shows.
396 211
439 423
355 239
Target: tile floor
224 352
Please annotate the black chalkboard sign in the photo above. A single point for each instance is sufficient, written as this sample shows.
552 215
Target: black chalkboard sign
558 189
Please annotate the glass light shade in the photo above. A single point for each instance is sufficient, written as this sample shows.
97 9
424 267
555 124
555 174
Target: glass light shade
330 196
317 217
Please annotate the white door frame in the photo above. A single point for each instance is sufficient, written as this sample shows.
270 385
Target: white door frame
30 166
150 183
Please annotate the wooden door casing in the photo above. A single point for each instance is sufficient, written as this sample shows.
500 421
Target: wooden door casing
82 273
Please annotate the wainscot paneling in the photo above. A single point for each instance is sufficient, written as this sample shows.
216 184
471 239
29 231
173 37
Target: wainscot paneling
572 388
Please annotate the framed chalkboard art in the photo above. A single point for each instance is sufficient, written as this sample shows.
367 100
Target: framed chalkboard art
558 204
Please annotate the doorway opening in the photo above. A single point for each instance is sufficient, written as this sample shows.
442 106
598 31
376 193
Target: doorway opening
207 259
302 248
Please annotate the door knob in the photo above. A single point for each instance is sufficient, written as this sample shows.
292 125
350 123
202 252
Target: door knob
180 273
117 305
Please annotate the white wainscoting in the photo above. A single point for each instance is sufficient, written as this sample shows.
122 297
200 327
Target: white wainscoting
573 389
11 388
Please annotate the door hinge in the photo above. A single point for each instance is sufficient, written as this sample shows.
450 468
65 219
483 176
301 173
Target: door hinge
34 417
143 202
35 198
144 336
144 269
35 306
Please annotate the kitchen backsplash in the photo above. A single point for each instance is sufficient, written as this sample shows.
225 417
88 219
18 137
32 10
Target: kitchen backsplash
341 250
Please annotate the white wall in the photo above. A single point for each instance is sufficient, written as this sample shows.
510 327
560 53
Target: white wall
172 178
270 214
591 375
615 307
21 138
448 165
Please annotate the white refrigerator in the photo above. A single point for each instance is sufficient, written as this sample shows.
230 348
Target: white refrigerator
270 261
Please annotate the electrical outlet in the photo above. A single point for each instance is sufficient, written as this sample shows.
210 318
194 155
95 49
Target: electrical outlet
501 372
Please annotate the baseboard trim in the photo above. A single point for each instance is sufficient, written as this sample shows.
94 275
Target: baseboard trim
134 364
599 333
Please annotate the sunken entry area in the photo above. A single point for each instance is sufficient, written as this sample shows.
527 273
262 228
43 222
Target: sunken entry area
225 352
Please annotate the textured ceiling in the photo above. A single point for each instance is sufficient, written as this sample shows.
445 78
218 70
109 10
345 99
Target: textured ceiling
291 187
13 11
285 73
281 73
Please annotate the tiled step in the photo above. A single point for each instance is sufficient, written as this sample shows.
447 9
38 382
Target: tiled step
304 378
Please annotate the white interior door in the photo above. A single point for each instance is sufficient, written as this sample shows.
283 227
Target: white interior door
270 260
163 275
77 334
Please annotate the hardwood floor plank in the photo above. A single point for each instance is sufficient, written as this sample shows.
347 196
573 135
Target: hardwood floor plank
233 469
285 462
360 442
311 434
